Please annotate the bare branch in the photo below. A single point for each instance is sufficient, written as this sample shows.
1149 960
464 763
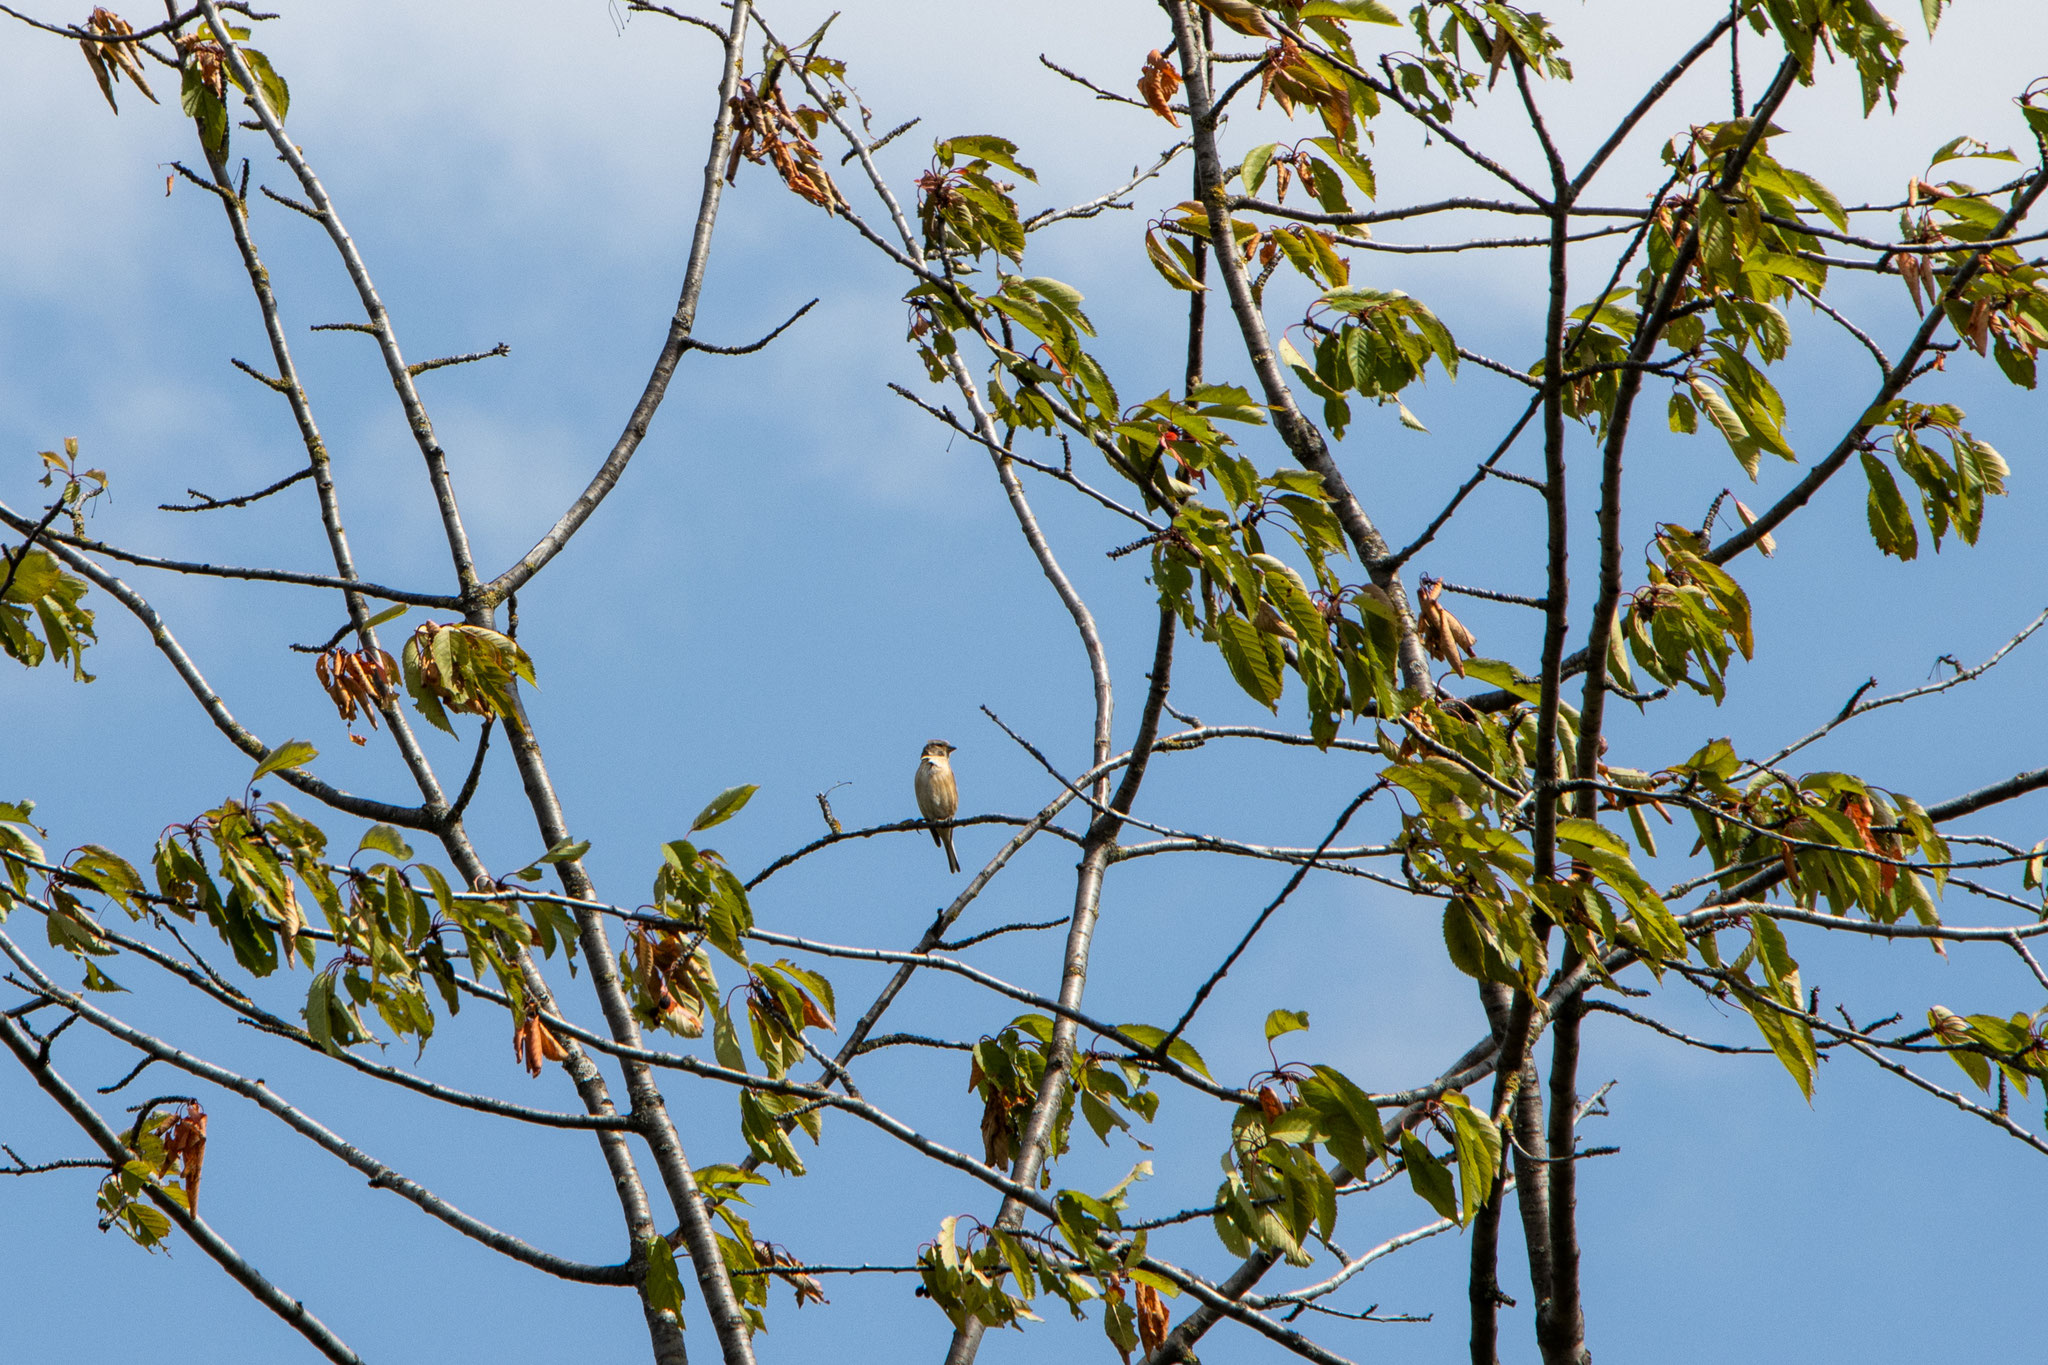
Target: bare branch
421 367
692 344
210 504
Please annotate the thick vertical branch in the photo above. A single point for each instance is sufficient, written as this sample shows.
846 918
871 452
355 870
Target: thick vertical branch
664 1330
650 1112
289 384
1532 1192
1607 605
1036 1138
1198 318
1304 441
373 306
681 324
1483 1291
1561 1332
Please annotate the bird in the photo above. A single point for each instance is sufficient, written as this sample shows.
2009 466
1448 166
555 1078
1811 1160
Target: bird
937 797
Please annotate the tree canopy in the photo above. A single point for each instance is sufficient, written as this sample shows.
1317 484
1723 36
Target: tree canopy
1399 564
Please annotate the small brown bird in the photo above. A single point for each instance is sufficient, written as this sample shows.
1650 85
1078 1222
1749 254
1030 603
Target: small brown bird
937 797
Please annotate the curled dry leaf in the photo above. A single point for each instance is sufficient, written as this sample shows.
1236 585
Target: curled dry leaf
1269 1103
112 60
998 1133
1764 542
184 1139
778 1260
534 1045
1858 810
1978 330
364 681
767 131
1271 622
1291 78
210 61
1153 1319
1158 83
813 1016
1444 636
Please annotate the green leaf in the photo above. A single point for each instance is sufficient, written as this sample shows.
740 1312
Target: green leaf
1245 651
205 108
1819 195
567 851
1790 1039
388 840
1350 1119
1151 1036
1285 1021
1504 676
388 614
1255 163
1478 1144
723 807
293 753
997 151
1165 258
1891 522
1594 833
1371 11
276 93
1430 1177
664 1285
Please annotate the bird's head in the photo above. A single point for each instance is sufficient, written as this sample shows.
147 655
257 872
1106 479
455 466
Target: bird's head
938 748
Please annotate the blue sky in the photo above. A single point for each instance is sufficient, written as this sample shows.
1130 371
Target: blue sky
802 579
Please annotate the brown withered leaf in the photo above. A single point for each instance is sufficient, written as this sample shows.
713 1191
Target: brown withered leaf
1444 636
767 131
1158 83
1764 542
1271 622
208 56
783 1265
1858 810
1241 15
112 60
534 1045
184 1140
998 1134
1269 1103
1291 78
1978 330
359 681
1153 1319
813 1016
1498 56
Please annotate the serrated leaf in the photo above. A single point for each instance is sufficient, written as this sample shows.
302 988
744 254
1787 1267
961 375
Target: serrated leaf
388 840
1891 521
293 753
1285 1021
724 806
1151 1036
664 1284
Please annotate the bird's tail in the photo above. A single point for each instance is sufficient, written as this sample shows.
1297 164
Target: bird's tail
952 859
